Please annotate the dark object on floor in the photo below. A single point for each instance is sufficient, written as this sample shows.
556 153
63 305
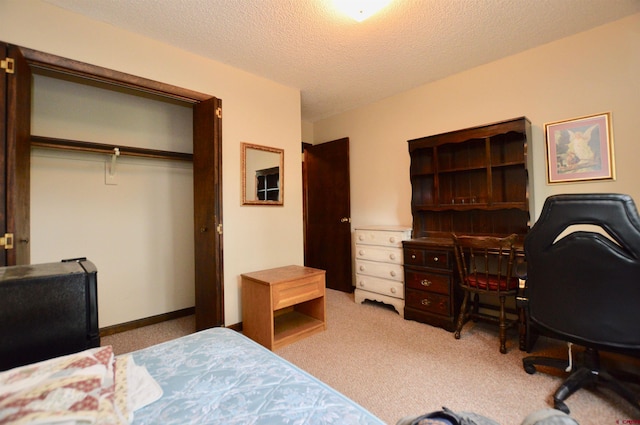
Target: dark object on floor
582 287
548 417
486 267
47 310
447 417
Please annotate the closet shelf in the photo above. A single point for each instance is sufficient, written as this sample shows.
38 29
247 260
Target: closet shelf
76 145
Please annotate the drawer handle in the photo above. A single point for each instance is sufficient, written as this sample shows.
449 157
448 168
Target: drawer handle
413 256
361 268
393 290
361 252
392 273
436 259
392 239
425 282
361 237
426 302
392 256
361 283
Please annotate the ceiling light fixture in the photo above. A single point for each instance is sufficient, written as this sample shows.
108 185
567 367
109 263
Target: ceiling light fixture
360 9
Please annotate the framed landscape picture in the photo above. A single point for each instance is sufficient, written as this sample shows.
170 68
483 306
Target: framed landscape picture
580 149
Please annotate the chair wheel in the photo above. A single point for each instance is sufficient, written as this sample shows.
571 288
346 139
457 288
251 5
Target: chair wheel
529 368
560 405
456 335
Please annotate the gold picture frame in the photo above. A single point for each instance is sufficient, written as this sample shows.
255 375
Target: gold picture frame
262 175
580 149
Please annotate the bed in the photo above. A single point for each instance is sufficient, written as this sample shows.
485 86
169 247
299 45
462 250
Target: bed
215 376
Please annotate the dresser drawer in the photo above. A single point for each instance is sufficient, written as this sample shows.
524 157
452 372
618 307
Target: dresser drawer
428 301
427 258
433 282
391 238
298 291
383 270
379 253
391 288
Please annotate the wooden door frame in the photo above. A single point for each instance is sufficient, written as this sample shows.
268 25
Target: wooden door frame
17 190
305 205
211 309
4 52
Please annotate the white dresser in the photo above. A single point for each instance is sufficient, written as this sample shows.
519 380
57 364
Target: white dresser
379 272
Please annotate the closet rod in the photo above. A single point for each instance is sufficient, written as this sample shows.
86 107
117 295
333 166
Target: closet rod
76 145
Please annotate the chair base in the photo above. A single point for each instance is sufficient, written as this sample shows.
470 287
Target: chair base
584 374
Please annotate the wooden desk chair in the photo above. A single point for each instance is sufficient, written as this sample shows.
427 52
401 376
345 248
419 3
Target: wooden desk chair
486 267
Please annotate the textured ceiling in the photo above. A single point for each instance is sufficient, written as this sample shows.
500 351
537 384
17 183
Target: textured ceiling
339 64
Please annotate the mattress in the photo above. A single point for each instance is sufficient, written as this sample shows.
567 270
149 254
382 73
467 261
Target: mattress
219 376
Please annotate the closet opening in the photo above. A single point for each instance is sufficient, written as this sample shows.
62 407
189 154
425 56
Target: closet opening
93 163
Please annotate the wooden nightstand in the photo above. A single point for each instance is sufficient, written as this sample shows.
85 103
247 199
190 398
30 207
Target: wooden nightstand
283 305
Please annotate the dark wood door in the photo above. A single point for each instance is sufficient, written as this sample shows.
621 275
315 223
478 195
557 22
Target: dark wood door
15 90
327 209
207 209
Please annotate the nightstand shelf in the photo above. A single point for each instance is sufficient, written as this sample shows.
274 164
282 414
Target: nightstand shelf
293 325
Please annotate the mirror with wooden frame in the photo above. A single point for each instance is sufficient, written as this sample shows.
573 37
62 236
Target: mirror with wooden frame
262 175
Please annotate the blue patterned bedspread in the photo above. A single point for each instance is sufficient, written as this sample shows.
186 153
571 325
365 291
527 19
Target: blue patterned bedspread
219 376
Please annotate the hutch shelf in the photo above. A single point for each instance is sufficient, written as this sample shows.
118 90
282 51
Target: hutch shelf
470 181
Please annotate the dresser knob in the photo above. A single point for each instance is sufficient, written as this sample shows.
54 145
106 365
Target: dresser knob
361 283
392 273
413 256
361 252
426 302
394 290
361 268
361 237
436 259
392 256
425 282
392 239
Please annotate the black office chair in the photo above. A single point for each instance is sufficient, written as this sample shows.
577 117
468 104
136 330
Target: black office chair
583 287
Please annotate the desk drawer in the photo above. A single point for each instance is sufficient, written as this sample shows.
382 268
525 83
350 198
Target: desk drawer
427 258
298 291
433 282
428 301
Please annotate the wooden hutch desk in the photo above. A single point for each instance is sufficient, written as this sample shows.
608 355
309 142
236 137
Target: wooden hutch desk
472 181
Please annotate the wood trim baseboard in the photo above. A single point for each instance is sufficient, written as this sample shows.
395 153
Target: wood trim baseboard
135 324
236 327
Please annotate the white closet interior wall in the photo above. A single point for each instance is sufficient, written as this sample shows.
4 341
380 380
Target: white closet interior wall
137 230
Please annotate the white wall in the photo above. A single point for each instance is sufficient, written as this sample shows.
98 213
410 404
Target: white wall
588 73
255 110
307 132
146 209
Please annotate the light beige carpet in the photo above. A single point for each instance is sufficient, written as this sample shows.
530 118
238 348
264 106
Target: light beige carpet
395 367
